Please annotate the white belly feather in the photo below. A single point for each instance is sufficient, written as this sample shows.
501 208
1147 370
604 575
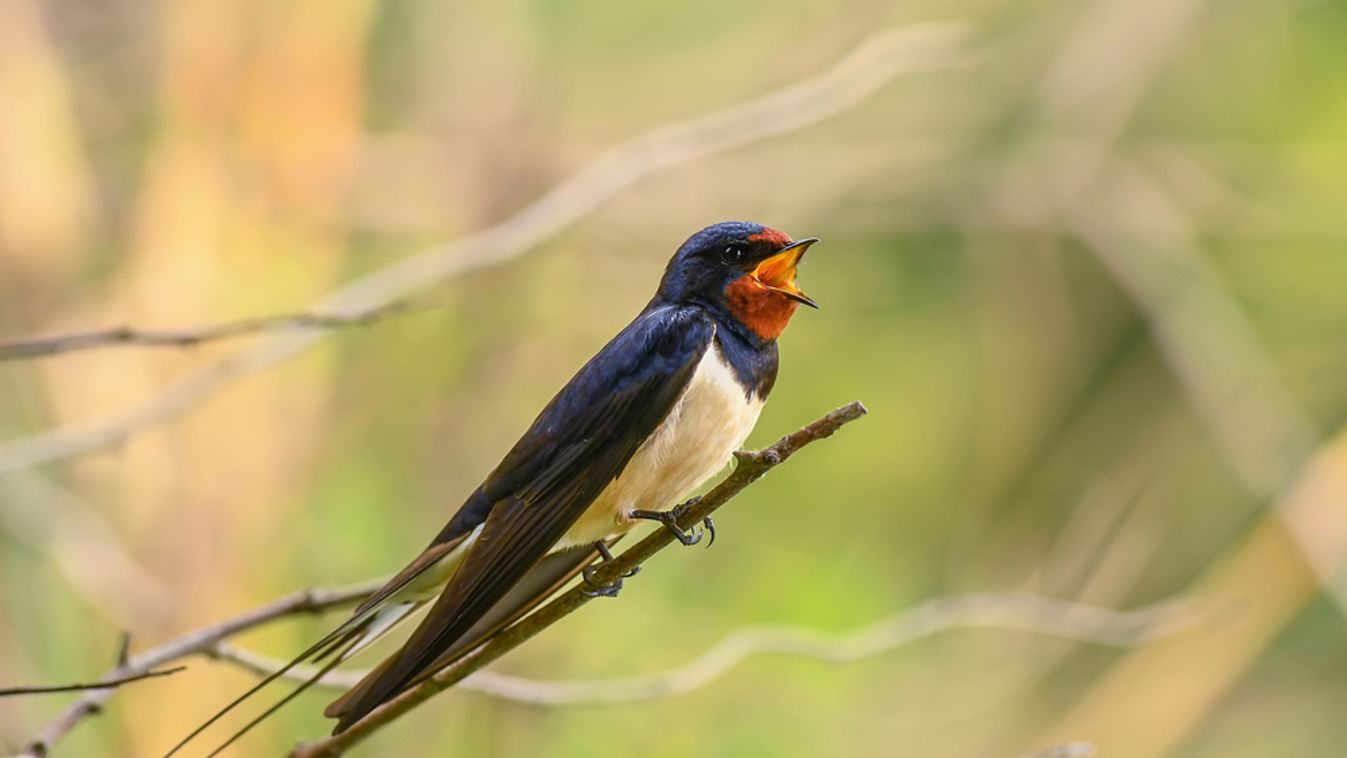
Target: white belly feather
708 422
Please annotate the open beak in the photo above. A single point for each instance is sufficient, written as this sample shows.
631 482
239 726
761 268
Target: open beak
777 273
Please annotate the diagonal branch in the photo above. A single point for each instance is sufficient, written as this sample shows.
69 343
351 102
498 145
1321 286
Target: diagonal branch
872 64
751 467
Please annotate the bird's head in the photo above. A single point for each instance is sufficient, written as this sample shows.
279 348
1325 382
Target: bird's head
742 270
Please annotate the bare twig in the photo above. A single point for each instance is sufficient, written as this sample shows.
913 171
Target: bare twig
1046 616
102 684
202 640
873 63
65 343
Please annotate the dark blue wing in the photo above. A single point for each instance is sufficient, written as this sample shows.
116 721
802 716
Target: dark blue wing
578 444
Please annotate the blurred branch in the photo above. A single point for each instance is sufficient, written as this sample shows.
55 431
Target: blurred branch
1146 244
1144 240
1055 618
1101 76
1266 572
873 63
101 684
66 343
84 547
194 643
751 466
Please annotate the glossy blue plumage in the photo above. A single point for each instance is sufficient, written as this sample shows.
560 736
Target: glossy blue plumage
578 445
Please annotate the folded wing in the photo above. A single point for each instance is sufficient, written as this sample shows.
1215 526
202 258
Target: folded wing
577 446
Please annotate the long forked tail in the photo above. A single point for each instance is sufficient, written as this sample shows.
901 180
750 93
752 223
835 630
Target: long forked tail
380 612
336 659
548 576
332 642
343 642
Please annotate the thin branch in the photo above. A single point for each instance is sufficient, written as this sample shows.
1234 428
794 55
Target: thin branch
1046 616
194 643
102 684
42 347
873 63
751 467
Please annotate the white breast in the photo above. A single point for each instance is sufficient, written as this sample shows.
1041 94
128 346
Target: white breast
708 422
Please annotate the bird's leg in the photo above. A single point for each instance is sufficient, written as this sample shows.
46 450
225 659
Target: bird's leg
670 518
593 588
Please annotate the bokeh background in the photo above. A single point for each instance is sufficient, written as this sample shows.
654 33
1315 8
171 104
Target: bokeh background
1088 275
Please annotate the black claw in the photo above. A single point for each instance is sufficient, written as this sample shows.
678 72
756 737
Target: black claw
594 589
670 521
608 591
689 538
711 530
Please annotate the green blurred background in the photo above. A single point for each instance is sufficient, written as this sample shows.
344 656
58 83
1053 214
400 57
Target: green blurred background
1090 283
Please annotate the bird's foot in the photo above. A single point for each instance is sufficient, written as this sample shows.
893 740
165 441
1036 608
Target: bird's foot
592 587
670 518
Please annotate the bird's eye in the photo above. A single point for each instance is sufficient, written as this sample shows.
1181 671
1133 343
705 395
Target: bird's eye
733 254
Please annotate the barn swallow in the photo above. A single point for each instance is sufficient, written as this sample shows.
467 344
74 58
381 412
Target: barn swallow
658 411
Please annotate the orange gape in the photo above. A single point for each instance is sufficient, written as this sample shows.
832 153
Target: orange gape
760 309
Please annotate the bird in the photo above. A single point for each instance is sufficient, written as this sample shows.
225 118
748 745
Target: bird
656 412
